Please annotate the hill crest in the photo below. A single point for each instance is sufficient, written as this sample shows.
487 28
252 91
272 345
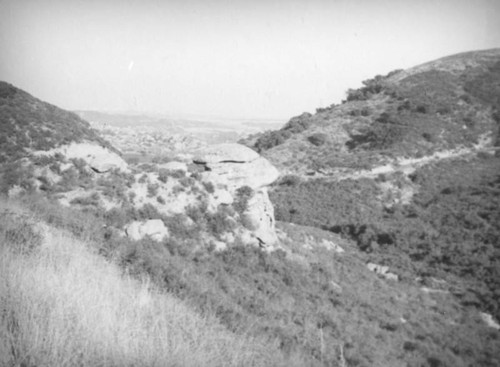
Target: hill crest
442 105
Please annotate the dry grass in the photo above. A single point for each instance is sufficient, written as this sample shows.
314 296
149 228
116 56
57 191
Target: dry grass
63 305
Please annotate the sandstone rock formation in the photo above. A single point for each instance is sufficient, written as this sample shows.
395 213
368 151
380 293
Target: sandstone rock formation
234 166
98 158
174 166
155 228
231 166
221 153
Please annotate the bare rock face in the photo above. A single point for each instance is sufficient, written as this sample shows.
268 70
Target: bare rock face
174 166
231 166
260 216
155 228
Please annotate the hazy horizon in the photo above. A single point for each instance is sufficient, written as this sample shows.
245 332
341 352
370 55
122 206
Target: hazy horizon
226 59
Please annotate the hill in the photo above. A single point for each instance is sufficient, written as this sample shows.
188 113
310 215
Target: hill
449 103
28 124
407 167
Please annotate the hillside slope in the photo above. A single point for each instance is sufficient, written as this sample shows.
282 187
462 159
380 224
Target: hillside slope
28 124
316 301
445 104
64 305
408 168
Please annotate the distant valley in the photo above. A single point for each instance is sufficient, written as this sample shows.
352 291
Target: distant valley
139 135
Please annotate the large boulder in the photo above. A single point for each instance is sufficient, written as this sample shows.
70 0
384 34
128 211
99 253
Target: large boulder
234 165
154 228
231 166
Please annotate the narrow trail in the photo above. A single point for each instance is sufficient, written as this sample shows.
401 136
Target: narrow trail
405 165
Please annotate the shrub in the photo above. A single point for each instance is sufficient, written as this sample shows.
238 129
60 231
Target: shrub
428 137
146 212
371 87
179 173
220 222
243 195
15 173
405 106
209 186
271 139
163 175
178 227
90 200
365 112
147 167
421 109
152 190
290 180
178 189
17 230
112 186
317 139
187 181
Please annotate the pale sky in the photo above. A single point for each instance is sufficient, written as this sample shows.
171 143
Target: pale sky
246 59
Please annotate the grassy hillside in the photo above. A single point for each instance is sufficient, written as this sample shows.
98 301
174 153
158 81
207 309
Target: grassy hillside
318 307
28 124
64 305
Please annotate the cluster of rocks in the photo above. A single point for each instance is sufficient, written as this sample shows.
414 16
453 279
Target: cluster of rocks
226 167
382 270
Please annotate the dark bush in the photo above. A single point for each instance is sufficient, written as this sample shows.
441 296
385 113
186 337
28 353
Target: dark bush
209 187
163 175
271 139
152 189
243 195
421 109
317 139
289 180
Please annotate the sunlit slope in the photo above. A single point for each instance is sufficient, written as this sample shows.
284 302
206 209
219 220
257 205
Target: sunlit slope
64 305
444 104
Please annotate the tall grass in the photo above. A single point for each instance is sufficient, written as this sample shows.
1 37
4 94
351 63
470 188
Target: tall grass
63 305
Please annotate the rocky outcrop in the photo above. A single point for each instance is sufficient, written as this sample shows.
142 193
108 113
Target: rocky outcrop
174 166
98 158
154 228
260 217
225 153
234 166
382 270
231 166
